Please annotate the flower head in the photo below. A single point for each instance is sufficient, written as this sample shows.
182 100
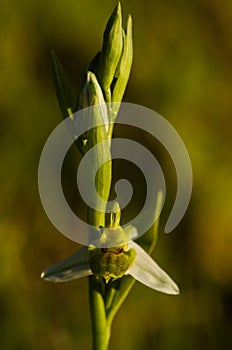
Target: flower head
113 263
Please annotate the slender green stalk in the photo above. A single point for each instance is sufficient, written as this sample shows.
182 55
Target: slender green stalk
100 326
118 298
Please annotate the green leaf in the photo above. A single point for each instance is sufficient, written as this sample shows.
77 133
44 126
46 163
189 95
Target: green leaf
64 92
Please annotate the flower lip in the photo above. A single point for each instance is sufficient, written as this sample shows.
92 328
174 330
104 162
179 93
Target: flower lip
111 262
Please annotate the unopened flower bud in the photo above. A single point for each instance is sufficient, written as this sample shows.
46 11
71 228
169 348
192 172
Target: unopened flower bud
124 66
91 95
111 51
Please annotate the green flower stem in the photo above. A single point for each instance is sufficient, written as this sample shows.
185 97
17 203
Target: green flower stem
117 298
100 325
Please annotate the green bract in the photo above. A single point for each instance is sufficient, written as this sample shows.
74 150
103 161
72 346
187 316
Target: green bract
64 91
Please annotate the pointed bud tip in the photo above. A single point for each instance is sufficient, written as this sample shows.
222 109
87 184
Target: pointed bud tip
129 21
118 8
91 77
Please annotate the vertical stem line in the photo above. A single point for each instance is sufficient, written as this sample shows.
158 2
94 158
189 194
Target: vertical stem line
100 326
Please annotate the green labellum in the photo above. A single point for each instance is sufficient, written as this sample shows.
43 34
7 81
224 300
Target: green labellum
110 262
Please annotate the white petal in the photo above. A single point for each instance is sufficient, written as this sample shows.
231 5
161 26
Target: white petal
75 266
146 271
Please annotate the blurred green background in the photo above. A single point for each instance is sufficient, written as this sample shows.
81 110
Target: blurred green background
182 69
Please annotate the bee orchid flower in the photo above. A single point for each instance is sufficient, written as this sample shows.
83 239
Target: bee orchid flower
113 263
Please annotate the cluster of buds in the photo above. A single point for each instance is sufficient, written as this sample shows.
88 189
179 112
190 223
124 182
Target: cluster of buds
112 65
104 83
107 75
105 78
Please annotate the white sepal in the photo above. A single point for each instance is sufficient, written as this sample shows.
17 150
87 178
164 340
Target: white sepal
75 266
146 271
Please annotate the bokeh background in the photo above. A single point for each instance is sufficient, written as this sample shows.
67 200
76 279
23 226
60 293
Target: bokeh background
182 69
